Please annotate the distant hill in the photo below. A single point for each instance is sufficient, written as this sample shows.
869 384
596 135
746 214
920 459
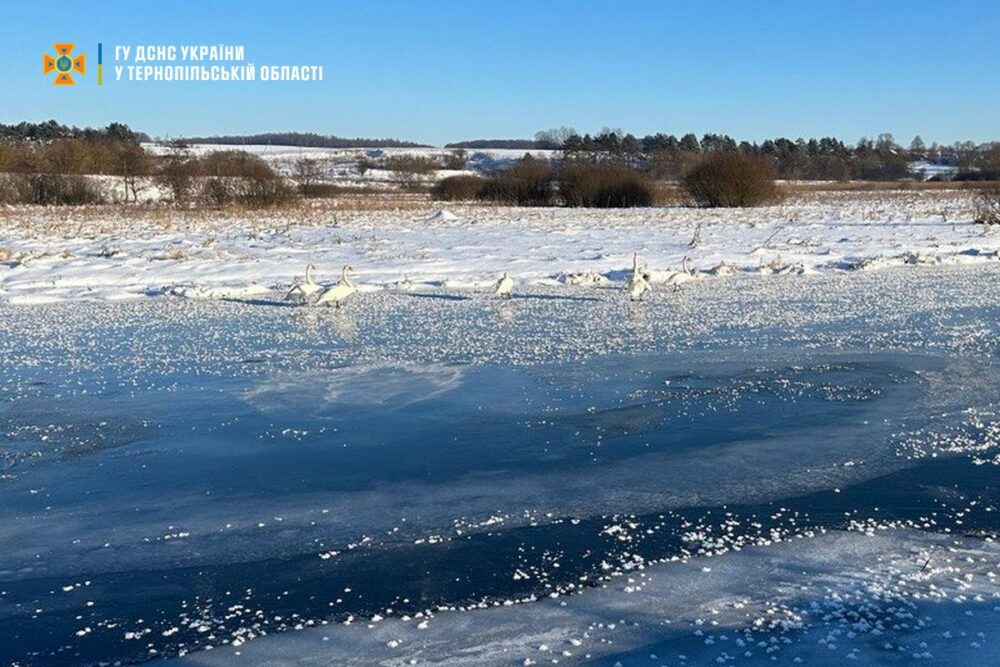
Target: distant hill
302 139
50 130
526 144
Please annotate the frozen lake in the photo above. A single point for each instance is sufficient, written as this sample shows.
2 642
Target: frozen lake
179 475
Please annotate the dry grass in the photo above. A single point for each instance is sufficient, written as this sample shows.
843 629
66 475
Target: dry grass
667 193
386 201
794 187
954 201
110 219
458 188
331 190
988 206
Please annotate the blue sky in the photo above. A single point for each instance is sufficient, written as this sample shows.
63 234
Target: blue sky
446 70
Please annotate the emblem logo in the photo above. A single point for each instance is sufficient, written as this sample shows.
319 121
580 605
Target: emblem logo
64 64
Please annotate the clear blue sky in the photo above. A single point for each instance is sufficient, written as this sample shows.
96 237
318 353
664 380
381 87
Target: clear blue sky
446 70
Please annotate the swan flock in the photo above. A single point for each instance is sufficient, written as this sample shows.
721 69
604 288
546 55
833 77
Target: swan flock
307 291
334 294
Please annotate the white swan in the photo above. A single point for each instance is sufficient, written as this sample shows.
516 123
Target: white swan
338 291
638 282
686 274
772 267
504 286
637 286
301 291
636 271
635 264
723 269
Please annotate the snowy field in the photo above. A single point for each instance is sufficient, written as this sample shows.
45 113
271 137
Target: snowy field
786 454
281 155
50 255
339 165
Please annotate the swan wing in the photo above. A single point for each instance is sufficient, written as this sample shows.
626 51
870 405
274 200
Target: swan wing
296 294
637 287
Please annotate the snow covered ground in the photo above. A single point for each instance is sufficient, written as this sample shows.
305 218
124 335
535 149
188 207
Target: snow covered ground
112 254
282 154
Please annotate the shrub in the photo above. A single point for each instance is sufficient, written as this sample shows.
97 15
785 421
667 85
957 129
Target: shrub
456 160
237 177
976 175
71 156
263 192
216 191
177 174
731 180
79 155
458 188
8 156
13 189
364 164
412 164
410 170
987 206
604 186
327 190
234 163
527 183
49 189
251 192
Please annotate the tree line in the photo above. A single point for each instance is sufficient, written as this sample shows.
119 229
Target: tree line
301 140
56 171
516 144
828 158
50 130
670 157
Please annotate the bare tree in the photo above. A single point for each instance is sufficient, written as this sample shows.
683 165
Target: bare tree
411 170
555 137
177 170
134 164
307 171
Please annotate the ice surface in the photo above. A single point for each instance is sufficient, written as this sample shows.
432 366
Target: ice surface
821 601
220 470
329 392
